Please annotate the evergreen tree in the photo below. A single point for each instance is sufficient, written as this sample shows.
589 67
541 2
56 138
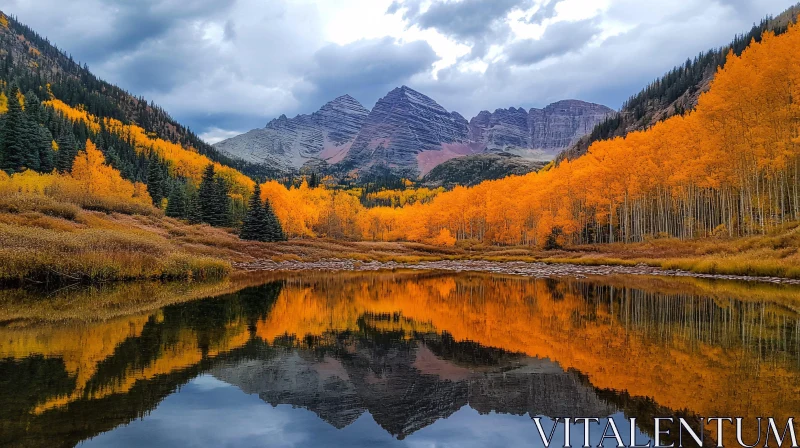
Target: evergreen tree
222 204
254 227
272 225
155 181
67 150
31 135
113 159
205 195
212 199
46 155
177 206
12 149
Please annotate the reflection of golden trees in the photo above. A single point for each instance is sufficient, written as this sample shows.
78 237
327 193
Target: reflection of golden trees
711 355
82 344
81 347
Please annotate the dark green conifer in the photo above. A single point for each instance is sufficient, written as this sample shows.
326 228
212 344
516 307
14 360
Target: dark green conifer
272 224
31 134
12 148
67 150
155 181
177 204
206 196
254 225
222 204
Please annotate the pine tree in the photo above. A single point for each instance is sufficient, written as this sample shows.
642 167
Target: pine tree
207 197
155 181
67 150
222 204
46 154
177 206
213 201
254 226
273 228
31 135
12 155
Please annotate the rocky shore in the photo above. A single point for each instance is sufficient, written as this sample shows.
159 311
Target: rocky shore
538 270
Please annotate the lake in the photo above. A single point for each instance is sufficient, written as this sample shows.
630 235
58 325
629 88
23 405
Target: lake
391 359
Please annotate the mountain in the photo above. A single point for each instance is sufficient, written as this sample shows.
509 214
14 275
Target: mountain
291 142
409 133
539 133
677 91
474 169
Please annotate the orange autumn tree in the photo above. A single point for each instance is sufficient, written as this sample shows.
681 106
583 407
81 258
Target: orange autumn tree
101 182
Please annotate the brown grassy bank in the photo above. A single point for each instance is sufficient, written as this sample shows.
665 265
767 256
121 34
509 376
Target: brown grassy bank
43 240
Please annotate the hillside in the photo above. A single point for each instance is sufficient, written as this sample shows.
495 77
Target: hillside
472 170
677 91
63 106
35 64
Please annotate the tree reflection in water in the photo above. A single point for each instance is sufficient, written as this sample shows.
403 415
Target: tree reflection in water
411 349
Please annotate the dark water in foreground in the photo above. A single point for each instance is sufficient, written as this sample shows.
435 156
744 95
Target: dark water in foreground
390 359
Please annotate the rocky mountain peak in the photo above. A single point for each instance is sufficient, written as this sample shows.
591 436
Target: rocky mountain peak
537 133
291 142
410 133
402 125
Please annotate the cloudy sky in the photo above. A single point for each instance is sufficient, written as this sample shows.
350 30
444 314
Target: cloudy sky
227 66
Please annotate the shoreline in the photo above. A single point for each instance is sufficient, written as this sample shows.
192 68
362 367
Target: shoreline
522 268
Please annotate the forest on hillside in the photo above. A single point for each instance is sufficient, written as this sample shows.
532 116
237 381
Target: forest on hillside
729 168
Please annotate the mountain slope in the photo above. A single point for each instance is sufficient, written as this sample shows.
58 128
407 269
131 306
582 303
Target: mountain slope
538 133
472 170
36 65
677 91
404 126
290 142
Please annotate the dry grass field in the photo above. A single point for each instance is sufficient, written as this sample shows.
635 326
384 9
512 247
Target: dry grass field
43 241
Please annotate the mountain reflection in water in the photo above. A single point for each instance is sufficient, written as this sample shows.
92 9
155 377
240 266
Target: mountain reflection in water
396 358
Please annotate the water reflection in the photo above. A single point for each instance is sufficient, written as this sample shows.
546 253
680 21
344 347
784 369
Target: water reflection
401 357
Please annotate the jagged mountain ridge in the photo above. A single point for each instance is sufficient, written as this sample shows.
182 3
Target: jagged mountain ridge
290 142
537 133
403 126
410 133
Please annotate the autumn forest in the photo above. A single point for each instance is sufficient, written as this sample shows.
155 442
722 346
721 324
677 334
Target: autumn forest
728 169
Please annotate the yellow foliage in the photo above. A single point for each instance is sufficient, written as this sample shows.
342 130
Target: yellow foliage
401 198
92 184
444 238
3 21
74 114
182 162
3 103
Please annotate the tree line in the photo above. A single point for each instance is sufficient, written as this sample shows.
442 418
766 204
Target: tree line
729 168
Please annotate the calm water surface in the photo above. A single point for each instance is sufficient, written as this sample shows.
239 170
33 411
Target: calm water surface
389 359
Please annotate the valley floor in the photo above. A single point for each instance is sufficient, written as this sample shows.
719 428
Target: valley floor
46 244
